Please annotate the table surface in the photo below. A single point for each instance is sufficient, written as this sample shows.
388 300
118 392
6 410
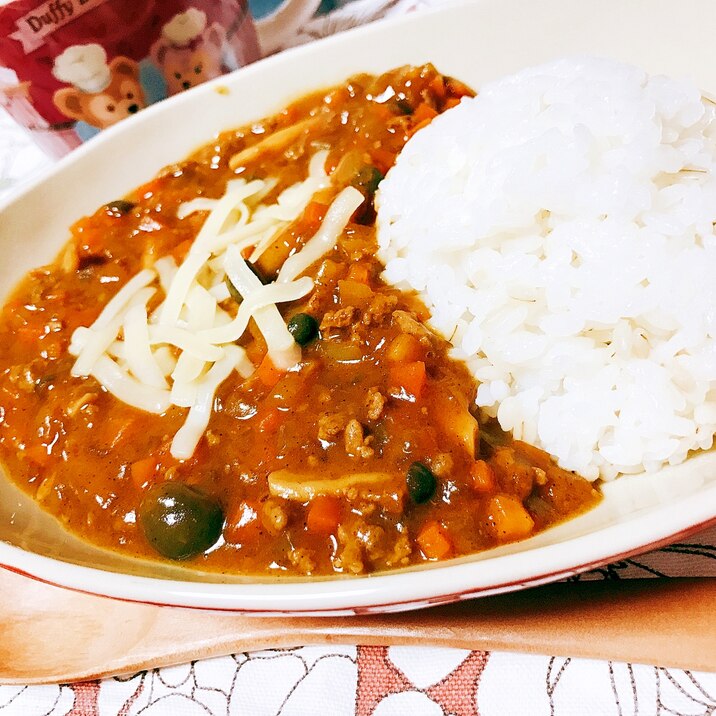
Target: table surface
381 680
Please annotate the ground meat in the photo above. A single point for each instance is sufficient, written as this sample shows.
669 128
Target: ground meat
380 307
409 324
374 403
441 464
350 557
212 438
23 377
81 403
359 540
340 318
373 539
302 560
273 516
400 555
356 444
330 425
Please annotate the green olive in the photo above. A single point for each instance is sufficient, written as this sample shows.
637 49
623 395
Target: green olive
179 521
421 483
303 327
119 207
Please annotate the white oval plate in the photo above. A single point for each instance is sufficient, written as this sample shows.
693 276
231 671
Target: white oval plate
475 42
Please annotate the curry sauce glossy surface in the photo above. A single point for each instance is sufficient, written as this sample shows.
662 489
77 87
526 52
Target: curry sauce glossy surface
364 457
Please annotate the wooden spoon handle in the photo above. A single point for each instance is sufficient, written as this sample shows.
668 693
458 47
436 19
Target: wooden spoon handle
669 622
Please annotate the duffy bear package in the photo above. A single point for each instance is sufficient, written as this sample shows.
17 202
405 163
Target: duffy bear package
69 68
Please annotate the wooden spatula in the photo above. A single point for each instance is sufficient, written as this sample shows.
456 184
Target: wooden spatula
54 635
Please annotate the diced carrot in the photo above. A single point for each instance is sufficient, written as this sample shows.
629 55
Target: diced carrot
382 111
508 518
419 126
382 159
268 373
38 455
359 272
323 515
533 455
483 477
181 250
434 541
119 429
354 293
332 162
29 333
242 523
256 351
270 422
424 112
409 376
457 88
314 212
51 349
404 348
142 471
247 251
146 190
452 102
437 87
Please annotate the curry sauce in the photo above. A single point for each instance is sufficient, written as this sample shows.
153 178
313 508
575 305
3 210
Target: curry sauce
367 455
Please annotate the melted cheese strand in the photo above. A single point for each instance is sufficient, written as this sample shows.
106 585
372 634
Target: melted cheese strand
262 297
129 390
166 360
188 436
186 341
236 192
282 349
125 294
200 308
166 267
183 279
138 351
88 344
337 217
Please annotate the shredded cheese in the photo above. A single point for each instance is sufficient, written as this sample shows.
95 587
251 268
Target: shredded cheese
334 223
180 352
188 436
128 389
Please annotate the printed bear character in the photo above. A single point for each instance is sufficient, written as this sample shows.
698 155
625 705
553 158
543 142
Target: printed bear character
188 52
102 93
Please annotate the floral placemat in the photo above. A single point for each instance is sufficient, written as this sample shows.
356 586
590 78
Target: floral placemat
399 681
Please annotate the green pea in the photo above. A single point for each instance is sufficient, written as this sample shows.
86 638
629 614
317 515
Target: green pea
179 521
421 483
303 328
119 207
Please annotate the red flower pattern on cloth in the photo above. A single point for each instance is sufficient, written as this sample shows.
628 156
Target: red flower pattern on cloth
380 678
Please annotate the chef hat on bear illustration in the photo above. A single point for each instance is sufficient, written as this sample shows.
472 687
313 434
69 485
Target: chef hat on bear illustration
184 27
84 66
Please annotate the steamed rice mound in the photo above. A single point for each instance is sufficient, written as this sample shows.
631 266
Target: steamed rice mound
560 226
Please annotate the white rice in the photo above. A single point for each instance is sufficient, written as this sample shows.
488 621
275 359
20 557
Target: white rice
560 226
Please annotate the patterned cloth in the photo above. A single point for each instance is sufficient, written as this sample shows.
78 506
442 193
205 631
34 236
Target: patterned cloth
382 681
